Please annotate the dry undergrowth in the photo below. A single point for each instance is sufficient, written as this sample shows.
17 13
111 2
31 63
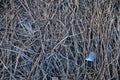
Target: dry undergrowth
50 39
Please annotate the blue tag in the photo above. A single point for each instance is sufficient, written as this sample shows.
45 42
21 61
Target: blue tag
91 56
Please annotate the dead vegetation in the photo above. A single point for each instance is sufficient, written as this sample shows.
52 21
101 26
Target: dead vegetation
50 39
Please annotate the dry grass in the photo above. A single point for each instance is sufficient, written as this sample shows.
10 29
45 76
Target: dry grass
50 39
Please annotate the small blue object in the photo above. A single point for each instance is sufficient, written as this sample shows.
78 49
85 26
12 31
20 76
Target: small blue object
17 49
91 56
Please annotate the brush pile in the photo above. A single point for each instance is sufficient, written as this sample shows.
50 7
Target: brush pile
50 39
